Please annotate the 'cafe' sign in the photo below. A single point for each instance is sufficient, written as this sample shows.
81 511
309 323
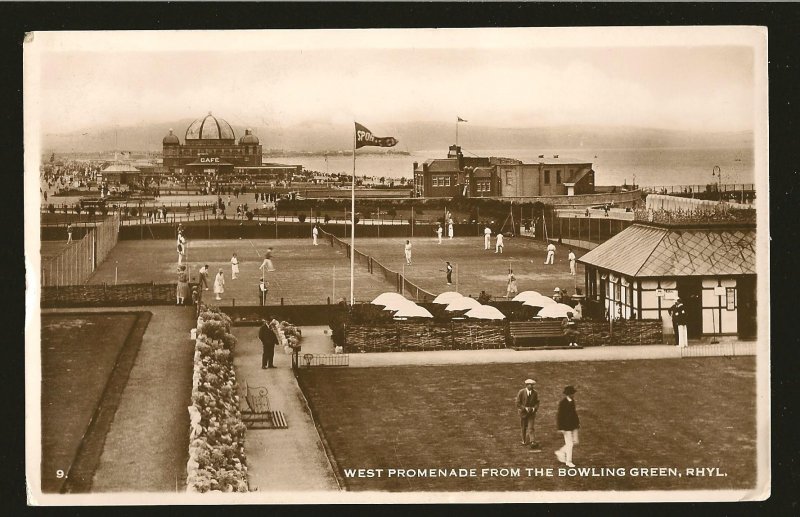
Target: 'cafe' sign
209 159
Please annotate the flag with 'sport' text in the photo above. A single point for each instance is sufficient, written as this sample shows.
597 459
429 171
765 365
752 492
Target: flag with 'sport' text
365 137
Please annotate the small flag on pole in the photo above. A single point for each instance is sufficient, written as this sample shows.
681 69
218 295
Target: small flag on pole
460 119
365 137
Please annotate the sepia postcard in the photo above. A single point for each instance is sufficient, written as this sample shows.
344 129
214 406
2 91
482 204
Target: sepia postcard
397 265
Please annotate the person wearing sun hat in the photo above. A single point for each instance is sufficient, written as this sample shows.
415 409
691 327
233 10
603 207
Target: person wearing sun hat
568 423
527 407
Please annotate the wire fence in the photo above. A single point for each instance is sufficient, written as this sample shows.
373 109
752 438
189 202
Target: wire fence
107 235
75 263
72 265
401 283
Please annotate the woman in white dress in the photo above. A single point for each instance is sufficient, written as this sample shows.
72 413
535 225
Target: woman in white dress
511 287
219 284
234 267
181 247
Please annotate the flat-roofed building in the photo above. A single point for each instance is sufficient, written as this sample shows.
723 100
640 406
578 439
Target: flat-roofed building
475 176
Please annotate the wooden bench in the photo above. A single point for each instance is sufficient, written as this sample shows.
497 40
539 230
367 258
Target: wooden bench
259 413
544 334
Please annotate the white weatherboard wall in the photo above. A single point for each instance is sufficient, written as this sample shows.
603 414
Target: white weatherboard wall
658 295
720 310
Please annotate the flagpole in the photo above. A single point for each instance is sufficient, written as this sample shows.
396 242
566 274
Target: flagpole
353 223
456 131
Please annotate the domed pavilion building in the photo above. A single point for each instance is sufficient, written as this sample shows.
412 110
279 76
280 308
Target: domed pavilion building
210 148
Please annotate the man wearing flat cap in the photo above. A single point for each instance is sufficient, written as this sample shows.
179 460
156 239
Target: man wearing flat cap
527 406
568 423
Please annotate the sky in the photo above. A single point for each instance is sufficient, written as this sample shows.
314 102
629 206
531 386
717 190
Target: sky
702 79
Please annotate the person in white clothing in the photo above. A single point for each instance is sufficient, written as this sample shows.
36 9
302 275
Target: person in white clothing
408 252
487 238
571 258
181 248
511 286
267 262
498 247
234 267
315 234
439 232
450 229
219 284
551 254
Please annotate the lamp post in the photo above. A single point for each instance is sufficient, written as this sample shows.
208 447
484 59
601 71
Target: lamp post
716 171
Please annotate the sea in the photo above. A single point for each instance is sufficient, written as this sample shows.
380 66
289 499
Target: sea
647 167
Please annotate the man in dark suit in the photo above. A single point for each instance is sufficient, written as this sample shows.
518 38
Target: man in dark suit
268 342
678 313
527 406
568 423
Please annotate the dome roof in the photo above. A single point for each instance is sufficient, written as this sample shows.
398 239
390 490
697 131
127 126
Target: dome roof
171 139
249 137
210 128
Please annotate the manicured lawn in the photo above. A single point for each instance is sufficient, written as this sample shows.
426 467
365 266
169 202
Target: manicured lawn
78 354
304 273
652 413
52 248
477 269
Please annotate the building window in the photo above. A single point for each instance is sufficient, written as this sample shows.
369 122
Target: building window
435 182
508 178
546 177
558 176
447 181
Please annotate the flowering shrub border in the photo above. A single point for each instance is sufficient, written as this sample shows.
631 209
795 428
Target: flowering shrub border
217 461
288 336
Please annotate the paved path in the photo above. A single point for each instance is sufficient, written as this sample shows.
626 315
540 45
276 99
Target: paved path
281 460
315 342
146 447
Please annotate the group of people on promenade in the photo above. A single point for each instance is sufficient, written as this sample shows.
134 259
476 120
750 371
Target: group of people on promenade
567 421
